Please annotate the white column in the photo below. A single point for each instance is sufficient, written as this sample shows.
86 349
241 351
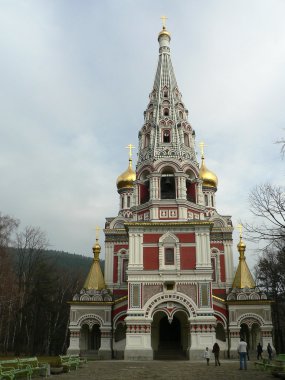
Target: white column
109 262
74 346
105 350
229 265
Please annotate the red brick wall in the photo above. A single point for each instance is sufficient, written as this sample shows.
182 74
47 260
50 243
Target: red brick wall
187 257
186 238
151 238
150 258
222 268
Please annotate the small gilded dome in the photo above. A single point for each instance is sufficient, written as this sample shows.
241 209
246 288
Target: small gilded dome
209 178
164 32
126 179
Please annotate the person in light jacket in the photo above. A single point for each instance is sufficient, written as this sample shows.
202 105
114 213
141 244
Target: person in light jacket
207 355
242 348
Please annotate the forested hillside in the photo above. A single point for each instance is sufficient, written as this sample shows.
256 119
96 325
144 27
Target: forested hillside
36 285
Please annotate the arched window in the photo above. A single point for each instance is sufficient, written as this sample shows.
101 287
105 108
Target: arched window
128 201
206 199
124 270
186 139
122 202
169 256
167 185
146 140
165 111
213 262
166 136
165 94
181 114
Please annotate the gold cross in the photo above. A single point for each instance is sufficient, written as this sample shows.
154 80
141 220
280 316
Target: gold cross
97 232
130 147
239 227
202 146
163 18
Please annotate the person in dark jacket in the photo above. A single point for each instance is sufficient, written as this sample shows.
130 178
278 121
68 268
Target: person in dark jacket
216 352
259 351
269 351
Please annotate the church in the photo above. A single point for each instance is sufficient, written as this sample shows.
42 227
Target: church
169 288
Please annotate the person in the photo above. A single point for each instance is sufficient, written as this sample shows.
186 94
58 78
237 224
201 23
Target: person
216 352
247 353
207 355
259 351
242 347
269 351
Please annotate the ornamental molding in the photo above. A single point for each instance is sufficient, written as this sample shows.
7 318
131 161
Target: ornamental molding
177 298
249 319
90 320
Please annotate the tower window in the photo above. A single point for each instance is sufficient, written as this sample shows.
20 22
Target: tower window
206 200
166 136
181 114
124 270
166 112
146 140
128 201
165 94
169 256
122 203
186 139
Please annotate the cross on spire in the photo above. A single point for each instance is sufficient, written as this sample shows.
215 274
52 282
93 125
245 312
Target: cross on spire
97 232
239 227
202 146
130 147
163 19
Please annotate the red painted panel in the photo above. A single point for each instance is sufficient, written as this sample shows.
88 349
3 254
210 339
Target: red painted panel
187 257
151 238
220 293
220 246
120 292
115 269
191 192
222 268
117 247
150 258
186 237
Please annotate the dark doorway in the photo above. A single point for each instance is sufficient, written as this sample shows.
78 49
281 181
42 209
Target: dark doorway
169 347
95 338
168 187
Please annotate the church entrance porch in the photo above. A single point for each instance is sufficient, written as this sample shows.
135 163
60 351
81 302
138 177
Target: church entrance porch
168 339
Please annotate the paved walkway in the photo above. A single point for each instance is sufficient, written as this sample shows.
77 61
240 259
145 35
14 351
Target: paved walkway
170 370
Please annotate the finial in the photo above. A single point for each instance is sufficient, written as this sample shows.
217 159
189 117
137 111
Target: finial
97 232
239 227
163 19
202 146
130 147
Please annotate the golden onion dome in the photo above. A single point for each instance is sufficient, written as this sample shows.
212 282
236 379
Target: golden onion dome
126 179
209 178
164 32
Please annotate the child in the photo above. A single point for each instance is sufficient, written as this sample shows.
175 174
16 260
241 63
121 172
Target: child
207 355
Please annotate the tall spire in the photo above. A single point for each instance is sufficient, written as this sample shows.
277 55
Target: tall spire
243 277
95 279
166 131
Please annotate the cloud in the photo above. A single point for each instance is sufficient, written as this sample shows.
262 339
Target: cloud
75 81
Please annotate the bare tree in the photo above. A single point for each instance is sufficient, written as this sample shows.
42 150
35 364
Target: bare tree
7 227
267 204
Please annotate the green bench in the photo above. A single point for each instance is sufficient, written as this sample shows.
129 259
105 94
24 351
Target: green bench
34 365
11 369
68 362
277 366
79 358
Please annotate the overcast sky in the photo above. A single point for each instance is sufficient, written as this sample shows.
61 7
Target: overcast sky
74 82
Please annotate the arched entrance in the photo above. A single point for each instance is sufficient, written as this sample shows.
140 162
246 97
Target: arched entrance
169 333
90 338
170 336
